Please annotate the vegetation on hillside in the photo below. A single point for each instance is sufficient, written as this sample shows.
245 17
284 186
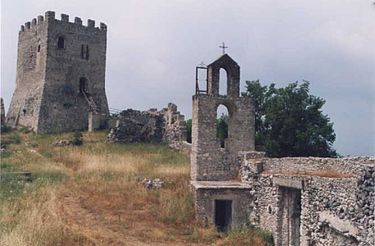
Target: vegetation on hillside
93 194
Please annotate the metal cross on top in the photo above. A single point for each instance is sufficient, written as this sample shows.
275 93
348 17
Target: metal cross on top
223 47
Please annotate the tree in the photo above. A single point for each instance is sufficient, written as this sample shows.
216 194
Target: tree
289 121
222 128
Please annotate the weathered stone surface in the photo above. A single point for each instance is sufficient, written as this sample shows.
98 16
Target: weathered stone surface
165 126
214 169
60 75
302 201
136 126
61 143
328 204
208 160
153 183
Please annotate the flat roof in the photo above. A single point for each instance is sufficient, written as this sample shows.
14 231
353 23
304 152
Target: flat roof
219 185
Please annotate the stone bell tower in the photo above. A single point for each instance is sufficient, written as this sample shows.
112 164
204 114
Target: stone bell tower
60 74
220 198
209 161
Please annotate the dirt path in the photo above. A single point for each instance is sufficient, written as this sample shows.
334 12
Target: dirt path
100 225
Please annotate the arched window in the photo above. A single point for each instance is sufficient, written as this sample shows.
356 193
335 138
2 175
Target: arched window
222 121
83 85
223 82
60 43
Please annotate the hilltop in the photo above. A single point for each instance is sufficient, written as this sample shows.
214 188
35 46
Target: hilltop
94 193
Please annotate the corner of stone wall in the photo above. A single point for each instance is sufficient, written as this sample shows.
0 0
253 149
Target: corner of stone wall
251 164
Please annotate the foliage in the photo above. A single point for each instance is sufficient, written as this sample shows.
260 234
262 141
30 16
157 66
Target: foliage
77 138
248 235
222 129
11 137
289 121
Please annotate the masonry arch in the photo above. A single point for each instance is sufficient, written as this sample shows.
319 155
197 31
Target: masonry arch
215 73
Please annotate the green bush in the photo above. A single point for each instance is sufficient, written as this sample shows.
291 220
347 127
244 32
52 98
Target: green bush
77 138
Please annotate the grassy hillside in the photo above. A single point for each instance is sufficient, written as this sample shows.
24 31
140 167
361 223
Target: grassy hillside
93 195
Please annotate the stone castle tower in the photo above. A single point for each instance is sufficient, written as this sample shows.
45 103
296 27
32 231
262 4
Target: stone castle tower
60 74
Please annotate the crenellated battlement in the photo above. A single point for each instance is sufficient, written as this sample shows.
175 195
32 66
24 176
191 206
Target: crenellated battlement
60 74
49 17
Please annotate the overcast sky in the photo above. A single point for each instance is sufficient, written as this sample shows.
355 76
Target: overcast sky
154 46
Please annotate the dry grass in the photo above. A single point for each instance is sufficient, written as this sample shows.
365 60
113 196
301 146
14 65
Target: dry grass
93 194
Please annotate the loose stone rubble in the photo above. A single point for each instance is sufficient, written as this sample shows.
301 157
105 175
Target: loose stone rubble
153 183
61 143
151 126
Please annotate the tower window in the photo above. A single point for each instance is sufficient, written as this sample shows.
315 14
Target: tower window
83 85
60 43
85 51
222 124
39 48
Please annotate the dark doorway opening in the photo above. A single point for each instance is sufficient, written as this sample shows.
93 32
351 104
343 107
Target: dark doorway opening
223 215
290 212
83 85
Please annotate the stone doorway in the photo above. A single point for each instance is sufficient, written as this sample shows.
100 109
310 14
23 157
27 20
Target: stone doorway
290 216
223 215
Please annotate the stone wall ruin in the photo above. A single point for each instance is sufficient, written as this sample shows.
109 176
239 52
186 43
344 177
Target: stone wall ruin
151 126
301 201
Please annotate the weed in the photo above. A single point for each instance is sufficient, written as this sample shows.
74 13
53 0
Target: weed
77 138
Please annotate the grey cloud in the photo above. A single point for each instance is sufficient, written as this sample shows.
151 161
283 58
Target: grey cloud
153 47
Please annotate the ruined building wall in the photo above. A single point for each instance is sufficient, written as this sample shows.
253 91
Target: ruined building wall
164 126
57 61
337 210
302 201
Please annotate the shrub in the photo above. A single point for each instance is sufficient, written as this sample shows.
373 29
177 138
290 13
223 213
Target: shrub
77 138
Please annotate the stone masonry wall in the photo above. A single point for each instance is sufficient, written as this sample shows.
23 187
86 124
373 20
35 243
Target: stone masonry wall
50 78
334 210
24 107
165 126
209 160
205 198
135 126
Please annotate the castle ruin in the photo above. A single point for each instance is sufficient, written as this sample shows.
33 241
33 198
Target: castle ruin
301 201
60 86
60 75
